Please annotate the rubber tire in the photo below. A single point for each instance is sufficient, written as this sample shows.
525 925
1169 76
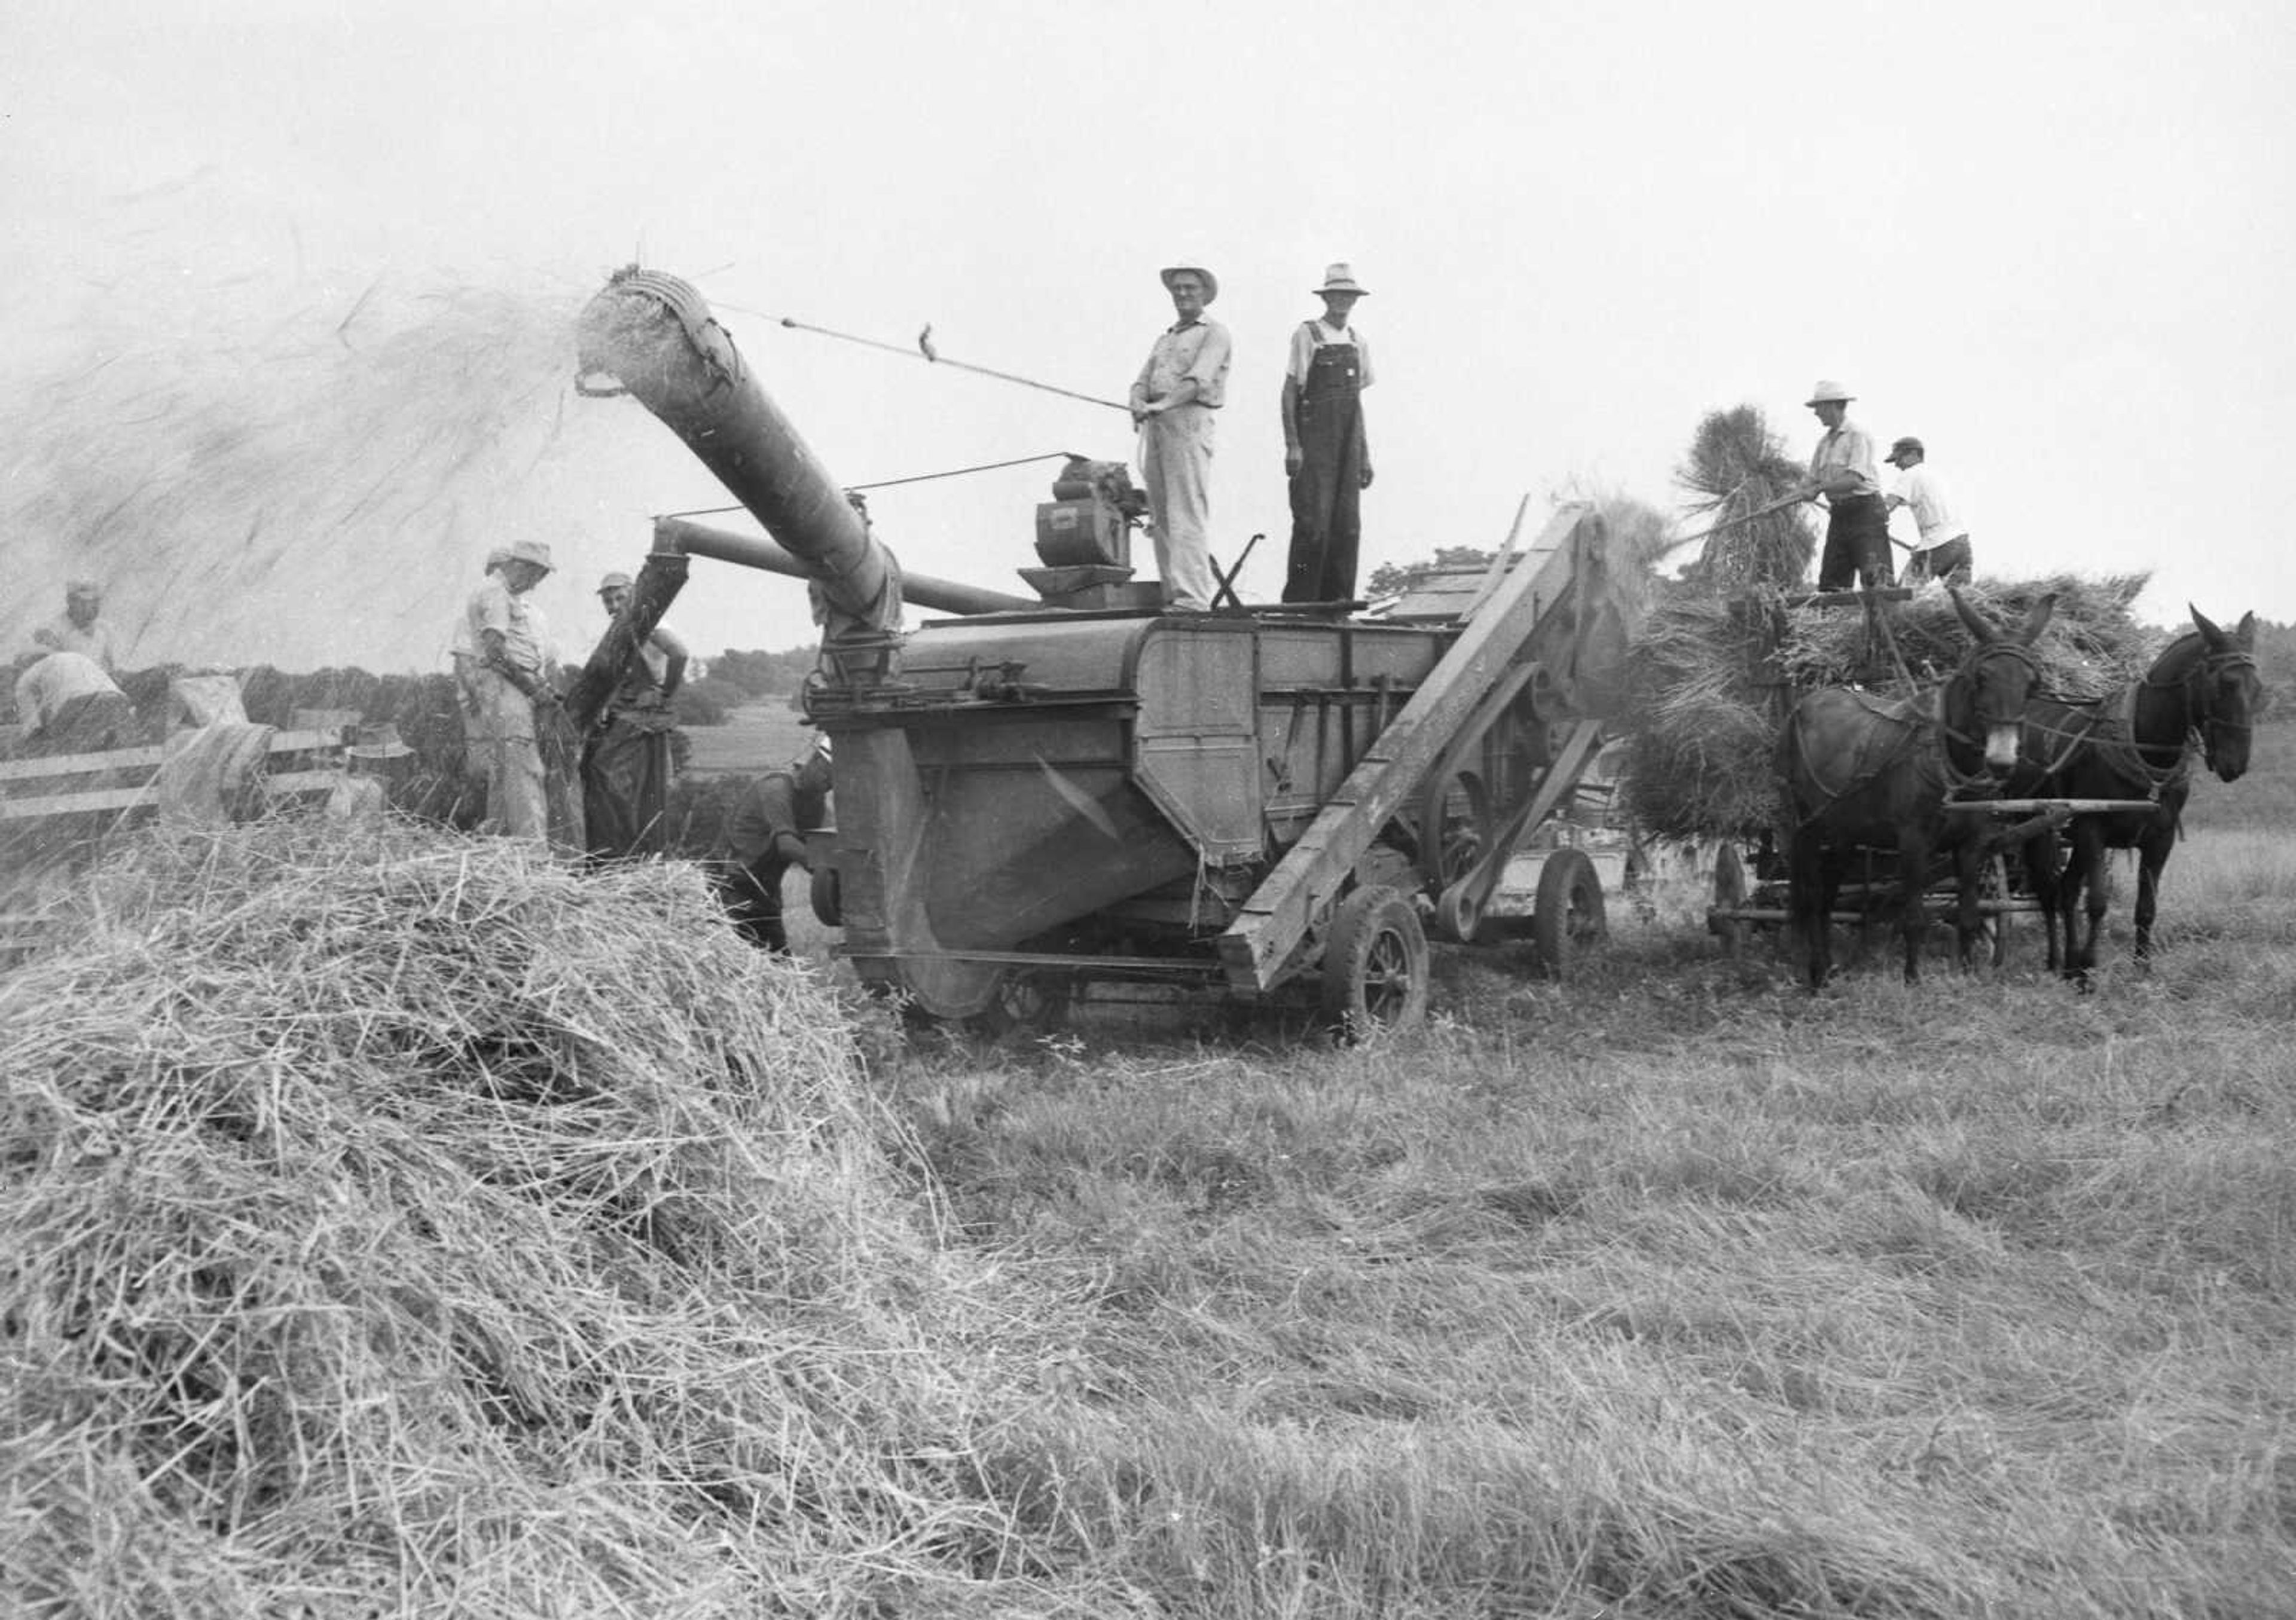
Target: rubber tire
1375 965
1569 917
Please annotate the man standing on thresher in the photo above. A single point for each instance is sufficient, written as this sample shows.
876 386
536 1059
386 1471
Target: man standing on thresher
626 761
502 665
1841 469
1943 552
1173 400
79 629
1324 451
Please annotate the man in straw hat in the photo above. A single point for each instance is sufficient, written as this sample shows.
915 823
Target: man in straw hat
1173 400
1944 551
626 761
1841 469
505 679
79 629
1324 451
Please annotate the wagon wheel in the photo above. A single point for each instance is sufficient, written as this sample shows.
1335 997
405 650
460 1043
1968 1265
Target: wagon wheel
1993 884
1030 1003
1570 920
1374 972
1729 896
828 897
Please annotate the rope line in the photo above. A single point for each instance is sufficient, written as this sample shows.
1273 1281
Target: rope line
918 478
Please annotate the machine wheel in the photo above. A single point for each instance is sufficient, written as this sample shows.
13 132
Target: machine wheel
828 898
1729 896
1569 918
1375 965
1030 1003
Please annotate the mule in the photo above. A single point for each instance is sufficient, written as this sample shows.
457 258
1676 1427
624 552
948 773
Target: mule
2137 743
1867 773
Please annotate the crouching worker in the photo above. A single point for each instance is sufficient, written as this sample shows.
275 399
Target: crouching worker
68 705
765 837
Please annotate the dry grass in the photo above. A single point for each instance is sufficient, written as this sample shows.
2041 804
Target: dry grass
359 1264
402 1225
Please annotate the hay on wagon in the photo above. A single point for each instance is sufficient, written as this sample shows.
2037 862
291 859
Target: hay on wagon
1713 676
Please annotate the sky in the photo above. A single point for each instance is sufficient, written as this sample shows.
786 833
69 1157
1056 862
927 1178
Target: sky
2053 241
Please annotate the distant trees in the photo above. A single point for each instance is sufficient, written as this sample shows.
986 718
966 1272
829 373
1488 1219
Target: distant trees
764 675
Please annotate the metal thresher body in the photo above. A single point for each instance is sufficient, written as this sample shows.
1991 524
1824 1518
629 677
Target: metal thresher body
1033 795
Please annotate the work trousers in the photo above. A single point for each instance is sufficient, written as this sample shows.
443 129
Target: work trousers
1175 465
1856 544
1327 491
625 786
1951 561
498 730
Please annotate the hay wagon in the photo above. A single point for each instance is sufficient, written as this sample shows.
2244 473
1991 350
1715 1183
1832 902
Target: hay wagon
1750 890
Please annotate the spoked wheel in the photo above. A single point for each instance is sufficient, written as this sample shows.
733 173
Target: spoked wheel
1570 920
1024 1003
1375 965
1729 896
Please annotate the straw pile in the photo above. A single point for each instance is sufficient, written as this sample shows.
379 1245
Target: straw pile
415 1228
1713 678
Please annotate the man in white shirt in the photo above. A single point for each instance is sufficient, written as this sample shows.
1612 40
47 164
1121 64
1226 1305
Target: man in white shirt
79 630
1841 469
1944 551
1173 401
1324 450
503 678
68 705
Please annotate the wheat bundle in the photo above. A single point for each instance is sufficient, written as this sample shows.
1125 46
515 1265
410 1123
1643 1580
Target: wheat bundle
399 1227
1713 678
1737 467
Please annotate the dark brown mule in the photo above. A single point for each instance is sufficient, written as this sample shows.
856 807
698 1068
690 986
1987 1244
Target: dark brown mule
2137 743
1868 773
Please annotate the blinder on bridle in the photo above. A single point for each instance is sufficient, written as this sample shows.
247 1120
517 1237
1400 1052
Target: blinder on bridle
2008 649
2205 674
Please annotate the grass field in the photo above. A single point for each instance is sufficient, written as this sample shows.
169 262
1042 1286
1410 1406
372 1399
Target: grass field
756 737
1671 1291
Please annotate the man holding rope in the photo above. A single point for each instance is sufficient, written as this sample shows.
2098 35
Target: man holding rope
1172 402
1841 469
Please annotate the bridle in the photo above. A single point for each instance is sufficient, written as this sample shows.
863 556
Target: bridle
2201 720
1960 784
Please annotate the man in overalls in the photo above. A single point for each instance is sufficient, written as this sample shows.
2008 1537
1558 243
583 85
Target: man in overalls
1323 446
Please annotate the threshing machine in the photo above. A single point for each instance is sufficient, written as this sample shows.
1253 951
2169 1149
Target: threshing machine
1034 793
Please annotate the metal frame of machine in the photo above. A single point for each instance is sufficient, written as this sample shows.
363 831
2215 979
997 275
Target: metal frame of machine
1035 795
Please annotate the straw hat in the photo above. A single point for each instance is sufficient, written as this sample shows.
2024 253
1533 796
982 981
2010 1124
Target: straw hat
1829 392
1211 282
530 551
1341 278
378 742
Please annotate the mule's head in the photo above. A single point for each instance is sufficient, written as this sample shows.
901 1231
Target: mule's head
1997 680
2224 693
